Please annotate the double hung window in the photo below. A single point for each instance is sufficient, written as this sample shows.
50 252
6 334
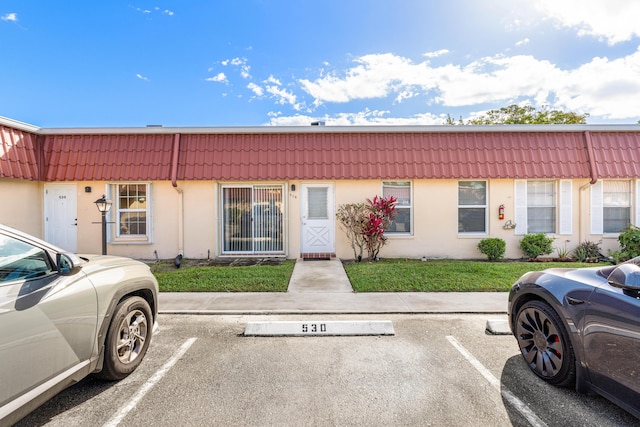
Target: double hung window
131 209
616 204
541 206
401 190
472 207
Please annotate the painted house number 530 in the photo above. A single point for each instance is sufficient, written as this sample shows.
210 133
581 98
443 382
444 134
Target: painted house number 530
314 327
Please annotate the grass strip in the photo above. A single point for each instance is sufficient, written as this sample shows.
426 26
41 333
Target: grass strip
400 275
386 275
254 278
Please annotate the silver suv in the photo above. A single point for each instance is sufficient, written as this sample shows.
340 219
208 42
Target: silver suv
63 317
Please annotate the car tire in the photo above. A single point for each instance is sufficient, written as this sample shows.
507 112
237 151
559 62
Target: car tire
127 339
545 344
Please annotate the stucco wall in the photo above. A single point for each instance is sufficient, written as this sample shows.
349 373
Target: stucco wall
21 205
435 220
195 204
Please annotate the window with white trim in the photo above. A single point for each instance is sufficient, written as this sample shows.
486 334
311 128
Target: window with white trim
401 190
543 206
472 207
131 209
616 205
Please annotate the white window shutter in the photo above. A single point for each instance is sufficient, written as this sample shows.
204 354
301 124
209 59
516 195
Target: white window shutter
520 207
597 214
566 207
637 204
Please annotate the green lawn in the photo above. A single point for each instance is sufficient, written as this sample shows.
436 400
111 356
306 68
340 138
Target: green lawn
387 275
399 275
254 278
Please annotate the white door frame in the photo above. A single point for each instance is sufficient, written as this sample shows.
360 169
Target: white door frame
61 215
317 234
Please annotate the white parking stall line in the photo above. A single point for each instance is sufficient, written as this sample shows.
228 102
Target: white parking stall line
151 382
518 404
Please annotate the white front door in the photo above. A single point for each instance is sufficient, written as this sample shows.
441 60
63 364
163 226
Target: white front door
61 216
318 219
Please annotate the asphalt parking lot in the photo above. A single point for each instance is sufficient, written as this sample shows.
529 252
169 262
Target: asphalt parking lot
436 370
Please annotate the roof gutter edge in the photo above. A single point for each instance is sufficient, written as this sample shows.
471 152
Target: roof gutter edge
336 129
15 124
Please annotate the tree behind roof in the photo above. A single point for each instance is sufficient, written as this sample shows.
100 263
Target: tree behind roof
523 115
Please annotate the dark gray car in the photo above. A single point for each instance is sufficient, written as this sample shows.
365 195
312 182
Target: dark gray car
63 317
582 327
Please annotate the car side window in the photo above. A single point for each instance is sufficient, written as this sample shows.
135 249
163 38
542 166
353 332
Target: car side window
20 260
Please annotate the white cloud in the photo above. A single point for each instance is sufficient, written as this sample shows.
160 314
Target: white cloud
255 89
155 9
613 20
437 53
10 17
283 96
295 120
273 80
141 77
239 62
244 72
601 87
362 118
375 76
523 42
218 78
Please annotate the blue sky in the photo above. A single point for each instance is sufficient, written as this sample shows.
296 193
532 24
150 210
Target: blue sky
344 62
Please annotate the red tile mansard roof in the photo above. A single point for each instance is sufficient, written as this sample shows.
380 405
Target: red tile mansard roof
19 154
320 153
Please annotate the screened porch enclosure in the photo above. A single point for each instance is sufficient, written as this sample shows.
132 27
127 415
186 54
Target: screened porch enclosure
252 220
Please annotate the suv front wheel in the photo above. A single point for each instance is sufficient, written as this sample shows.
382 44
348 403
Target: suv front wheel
127 339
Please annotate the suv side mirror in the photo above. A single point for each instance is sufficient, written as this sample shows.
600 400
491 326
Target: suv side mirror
626 277
67 264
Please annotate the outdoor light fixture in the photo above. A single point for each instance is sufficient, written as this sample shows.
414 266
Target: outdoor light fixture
103 206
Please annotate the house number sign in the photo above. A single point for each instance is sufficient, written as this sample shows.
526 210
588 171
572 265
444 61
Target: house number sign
314 327
319 328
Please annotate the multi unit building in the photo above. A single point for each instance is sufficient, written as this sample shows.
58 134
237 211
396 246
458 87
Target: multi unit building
274 191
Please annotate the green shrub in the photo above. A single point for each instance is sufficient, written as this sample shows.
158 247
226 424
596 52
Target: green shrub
493 248
535 244
617 257
587 250
629 240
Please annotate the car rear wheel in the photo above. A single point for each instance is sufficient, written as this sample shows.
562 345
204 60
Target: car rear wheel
127 339
544 343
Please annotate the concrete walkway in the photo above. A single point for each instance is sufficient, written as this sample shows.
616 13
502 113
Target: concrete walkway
322 287
319 277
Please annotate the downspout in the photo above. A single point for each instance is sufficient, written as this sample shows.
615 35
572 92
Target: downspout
42 169
174 182
594 178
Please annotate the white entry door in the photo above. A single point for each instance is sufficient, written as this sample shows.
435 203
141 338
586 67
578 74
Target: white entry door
318 219
61 216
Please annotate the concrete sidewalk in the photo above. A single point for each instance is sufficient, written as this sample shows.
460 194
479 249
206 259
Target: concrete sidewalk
322 287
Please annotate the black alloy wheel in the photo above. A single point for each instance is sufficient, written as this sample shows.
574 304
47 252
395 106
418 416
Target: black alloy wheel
544 343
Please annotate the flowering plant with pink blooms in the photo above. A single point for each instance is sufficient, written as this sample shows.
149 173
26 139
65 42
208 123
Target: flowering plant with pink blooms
364 224
381 211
